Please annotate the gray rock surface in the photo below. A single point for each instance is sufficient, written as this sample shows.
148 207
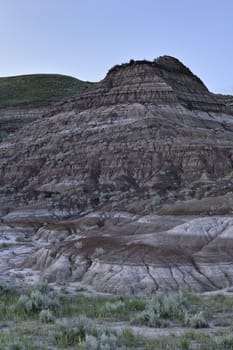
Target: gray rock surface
13 118
141 256
124 187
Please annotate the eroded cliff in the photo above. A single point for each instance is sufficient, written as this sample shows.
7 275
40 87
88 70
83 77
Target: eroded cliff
149 139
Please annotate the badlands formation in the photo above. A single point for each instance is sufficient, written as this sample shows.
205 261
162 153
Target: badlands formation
126 188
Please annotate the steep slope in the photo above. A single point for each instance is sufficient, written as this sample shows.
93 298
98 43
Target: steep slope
164 81
104 167
132 131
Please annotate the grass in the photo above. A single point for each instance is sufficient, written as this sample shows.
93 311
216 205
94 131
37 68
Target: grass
99 307
81 322
38 89
224 98
12 342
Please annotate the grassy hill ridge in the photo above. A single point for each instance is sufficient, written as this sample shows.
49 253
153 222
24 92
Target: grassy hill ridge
38 89
227 99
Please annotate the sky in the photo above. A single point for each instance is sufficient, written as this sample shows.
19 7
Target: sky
85 38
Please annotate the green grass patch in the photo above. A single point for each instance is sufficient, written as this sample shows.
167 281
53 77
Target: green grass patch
38 89
110 308
14 342
38 318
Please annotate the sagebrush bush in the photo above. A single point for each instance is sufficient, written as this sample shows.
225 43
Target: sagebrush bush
195 320
150 319
107 341
82 332
156 200
162 308
38 299
98 252
91 343
46 316
25 303
74 332
173 306
78 245
78 272
17 345
226 342
112 307
42 287
103 341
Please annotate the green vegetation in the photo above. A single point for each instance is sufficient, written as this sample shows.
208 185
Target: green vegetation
227 99
155 200
161 309
38 89
3 135
38 318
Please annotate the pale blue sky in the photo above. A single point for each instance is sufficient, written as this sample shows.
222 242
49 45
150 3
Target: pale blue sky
84 38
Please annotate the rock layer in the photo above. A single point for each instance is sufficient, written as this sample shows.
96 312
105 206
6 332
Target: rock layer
164 81
148 139
127 147
12 119
135 255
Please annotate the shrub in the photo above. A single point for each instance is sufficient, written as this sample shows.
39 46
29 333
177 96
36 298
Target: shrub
109 196
25 303
173 306
78 245
227 342
185 343
156 200
91 342
150 318
104 196
162 308
3 135
46 316
196 320
78 273
16 345
162 172
103 341
39 298
42 287
112 307
82 331
74 332
98 252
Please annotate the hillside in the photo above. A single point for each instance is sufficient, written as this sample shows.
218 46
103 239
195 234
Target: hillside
130 184
38 89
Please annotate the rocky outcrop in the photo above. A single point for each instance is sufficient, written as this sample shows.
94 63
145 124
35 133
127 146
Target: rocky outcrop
113 181
125 254
152 128
164 81
78 159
